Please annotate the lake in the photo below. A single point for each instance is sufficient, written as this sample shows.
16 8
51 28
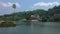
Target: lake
33 28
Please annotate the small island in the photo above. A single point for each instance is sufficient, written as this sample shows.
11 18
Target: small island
7 24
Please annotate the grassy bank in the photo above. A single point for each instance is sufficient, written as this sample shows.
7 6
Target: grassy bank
7 24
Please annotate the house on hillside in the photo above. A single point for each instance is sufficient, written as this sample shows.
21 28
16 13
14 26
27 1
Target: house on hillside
35 17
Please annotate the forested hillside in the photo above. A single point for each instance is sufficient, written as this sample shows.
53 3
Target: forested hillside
26 14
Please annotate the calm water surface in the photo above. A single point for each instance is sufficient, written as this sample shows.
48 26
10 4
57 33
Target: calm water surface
34 28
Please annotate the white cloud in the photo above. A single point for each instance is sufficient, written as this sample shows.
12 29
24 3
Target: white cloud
6 7
46 4
9 4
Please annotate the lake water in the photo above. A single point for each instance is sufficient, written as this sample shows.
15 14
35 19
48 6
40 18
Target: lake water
34 28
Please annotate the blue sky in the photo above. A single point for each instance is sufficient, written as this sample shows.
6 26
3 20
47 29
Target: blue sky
24 5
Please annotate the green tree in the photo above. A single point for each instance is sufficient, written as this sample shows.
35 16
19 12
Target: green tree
14 7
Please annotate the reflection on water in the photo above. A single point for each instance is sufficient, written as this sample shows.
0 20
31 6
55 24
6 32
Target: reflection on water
33 28
10 30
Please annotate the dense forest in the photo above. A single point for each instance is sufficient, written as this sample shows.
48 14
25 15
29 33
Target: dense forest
53 14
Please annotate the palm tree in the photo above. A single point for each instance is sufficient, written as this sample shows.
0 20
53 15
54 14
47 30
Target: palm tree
14 7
